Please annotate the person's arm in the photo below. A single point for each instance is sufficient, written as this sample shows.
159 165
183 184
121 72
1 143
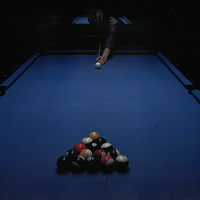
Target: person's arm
109 41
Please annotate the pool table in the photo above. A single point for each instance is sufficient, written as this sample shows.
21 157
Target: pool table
138 101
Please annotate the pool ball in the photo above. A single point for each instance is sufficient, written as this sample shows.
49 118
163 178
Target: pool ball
71 153
107 163
87 141
107 147
92 163
100 141
94 135
79 147
86 153
63 163
97 65
99 153
93 147
113 153
121 163
78 163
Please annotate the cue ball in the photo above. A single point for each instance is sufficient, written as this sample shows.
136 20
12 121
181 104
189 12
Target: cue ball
98 65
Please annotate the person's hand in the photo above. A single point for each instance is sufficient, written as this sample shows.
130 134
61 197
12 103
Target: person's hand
101 59
104 58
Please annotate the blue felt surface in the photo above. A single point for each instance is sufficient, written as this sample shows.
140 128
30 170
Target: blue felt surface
134 101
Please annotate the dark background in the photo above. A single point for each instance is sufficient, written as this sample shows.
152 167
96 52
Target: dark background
31 26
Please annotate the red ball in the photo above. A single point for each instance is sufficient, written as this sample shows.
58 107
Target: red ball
79 147
99 153
107 162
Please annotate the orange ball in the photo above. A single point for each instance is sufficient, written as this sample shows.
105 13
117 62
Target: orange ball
85 153
94 135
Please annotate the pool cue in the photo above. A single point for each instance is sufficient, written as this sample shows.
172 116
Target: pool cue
97 64
99 53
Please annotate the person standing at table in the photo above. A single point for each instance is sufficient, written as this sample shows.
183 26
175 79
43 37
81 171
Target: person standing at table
106 27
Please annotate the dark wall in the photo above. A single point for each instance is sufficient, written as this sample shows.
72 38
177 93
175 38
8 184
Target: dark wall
30 26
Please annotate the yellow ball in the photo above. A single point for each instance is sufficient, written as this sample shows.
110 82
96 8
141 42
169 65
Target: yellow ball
85 153
94 135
